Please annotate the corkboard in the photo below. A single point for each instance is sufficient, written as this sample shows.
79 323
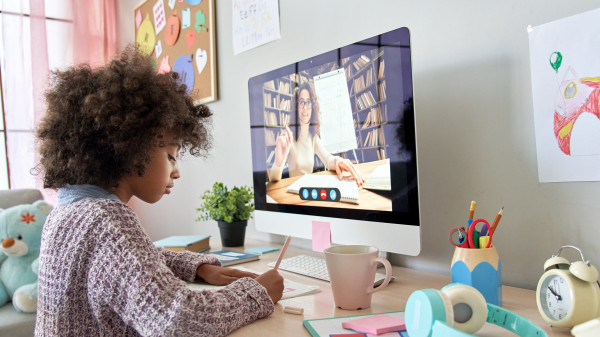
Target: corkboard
185 42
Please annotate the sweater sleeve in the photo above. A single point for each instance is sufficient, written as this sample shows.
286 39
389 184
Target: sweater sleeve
130 277
184 264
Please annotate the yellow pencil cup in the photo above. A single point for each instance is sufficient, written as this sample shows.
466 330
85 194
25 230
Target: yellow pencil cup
479 268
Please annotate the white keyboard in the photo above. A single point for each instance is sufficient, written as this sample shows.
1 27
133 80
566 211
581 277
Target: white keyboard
313 267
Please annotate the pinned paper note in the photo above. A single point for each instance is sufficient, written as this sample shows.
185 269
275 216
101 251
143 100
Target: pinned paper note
145 36
185 68
191 37
321 236
185 18
159 16
138 18
164 65
200 22
158 49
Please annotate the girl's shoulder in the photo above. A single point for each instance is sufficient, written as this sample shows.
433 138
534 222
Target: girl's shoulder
95 208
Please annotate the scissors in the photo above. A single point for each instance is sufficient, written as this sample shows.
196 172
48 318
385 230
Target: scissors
474 234
458 237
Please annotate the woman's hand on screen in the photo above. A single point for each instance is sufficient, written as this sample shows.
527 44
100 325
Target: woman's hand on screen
344 165
282 146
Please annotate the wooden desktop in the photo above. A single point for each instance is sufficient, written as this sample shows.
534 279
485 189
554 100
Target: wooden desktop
392 298
368 199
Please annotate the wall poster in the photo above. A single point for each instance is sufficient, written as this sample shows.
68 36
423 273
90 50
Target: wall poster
565 77
181 36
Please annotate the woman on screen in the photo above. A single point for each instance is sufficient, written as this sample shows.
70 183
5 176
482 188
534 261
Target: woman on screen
300 153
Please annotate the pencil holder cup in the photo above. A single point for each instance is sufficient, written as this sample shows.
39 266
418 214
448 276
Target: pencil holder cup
481 269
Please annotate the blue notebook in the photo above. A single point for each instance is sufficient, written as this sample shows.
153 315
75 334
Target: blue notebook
230 257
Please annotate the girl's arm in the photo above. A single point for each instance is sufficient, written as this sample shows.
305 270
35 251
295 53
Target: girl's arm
133 279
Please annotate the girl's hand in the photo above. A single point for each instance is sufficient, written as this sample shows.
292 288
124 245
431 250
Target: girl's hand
221 276
282 146
273 282
344 165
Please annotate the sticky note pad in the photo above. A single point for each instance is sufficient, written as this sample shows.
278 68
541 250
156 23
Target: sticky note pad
321 236
375 324
348 335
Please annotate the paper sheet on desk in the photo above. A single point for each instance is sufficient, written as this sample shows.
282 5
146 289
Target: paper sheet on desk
291 288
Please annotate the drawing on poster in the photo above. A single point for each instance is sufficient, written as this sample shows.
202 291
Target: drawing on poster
575 95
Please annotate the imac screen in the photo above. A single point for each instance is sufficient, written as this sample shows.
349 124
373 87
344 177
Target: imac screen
319 124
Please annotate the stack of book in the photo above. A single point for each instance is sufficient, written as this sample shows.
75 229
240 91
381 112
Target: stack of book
193 243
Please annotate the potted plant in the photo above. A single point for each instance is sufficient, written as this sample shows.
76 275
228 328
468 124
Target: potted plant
231 209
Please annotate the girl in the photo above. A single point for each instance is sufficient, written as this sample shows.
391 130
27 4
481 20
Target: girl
112 133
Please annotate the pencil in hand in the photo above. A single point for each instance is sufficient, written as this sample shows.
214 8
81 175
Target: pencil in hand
495 224
285 245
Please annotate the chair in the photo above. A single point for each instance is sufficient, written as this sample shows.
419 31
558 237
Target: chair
13 323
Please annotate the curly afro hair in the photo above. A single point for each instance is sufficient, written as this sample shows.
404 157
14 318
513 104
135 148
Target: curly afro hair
102 123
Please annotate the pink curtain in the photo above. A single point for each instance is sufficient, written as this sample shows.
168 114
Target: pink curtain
26 66
95 31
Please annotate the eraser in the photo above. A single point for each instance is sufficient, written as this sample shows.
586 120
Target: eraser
293 310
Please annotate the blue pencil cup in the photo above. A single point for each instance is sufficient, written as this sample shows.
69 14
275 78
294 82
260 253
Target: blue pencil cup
481 269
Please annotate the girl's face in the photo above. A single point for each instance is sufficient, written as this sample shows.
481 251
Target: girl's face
159 177
304 106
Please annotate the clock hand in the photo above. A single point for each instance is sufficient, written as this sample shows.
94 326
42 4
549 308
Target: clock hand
558 297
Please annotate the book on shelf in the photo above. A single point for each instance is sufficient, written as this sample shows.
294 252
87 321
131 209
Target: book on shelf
348 188
178 243
230 257
269 137
270 85
381 69
361 62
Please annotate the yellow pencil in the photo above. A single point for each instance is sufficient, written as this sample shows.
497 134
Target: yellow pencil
495 224
472 210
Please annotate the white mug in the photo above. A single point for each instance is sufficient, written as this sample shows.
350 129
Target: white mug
351 271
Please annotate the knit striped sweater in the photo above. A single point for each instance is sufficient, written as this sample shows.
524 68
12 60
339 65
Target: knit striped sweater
101 275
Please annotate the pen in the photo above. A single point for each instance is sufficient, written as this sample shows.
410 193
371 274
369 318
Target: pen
495 224
472 210
285 245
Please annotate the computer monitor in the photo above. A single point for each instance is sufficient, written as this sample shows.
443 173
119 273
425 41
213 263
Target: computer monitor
360 103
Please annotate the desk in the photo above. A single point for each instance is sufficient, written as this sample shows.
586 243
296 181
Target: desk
392 298
368 199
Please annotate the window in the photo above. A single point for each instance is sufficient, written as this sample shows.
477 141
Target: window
24 66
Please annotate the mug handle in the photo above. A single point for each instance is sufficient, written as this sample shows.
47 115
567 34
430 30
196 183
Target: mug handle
388 275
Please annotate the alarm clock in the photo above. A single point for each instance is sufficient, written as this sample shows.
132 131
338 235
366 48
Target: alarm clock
568 293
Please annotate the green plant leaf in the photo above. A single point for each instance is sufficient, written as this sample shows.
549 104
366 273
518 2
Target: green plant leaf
221 204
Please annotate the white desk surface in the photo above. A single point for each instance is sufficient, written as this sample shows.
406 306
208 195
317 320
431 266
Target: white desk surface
392 298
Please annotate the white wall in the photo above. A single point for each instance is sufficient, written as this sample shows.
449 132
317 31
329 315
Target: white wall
474 116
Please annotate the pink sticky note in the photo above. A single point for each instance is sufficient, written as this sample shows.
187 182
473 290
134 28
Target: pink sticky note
138 18
375 324
321 236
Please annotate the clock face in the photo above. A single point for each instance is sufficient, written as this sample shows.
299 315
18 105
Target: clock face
555 297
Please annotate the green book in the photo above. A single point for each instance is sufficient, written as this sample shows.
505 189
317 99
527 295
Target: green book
193 243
